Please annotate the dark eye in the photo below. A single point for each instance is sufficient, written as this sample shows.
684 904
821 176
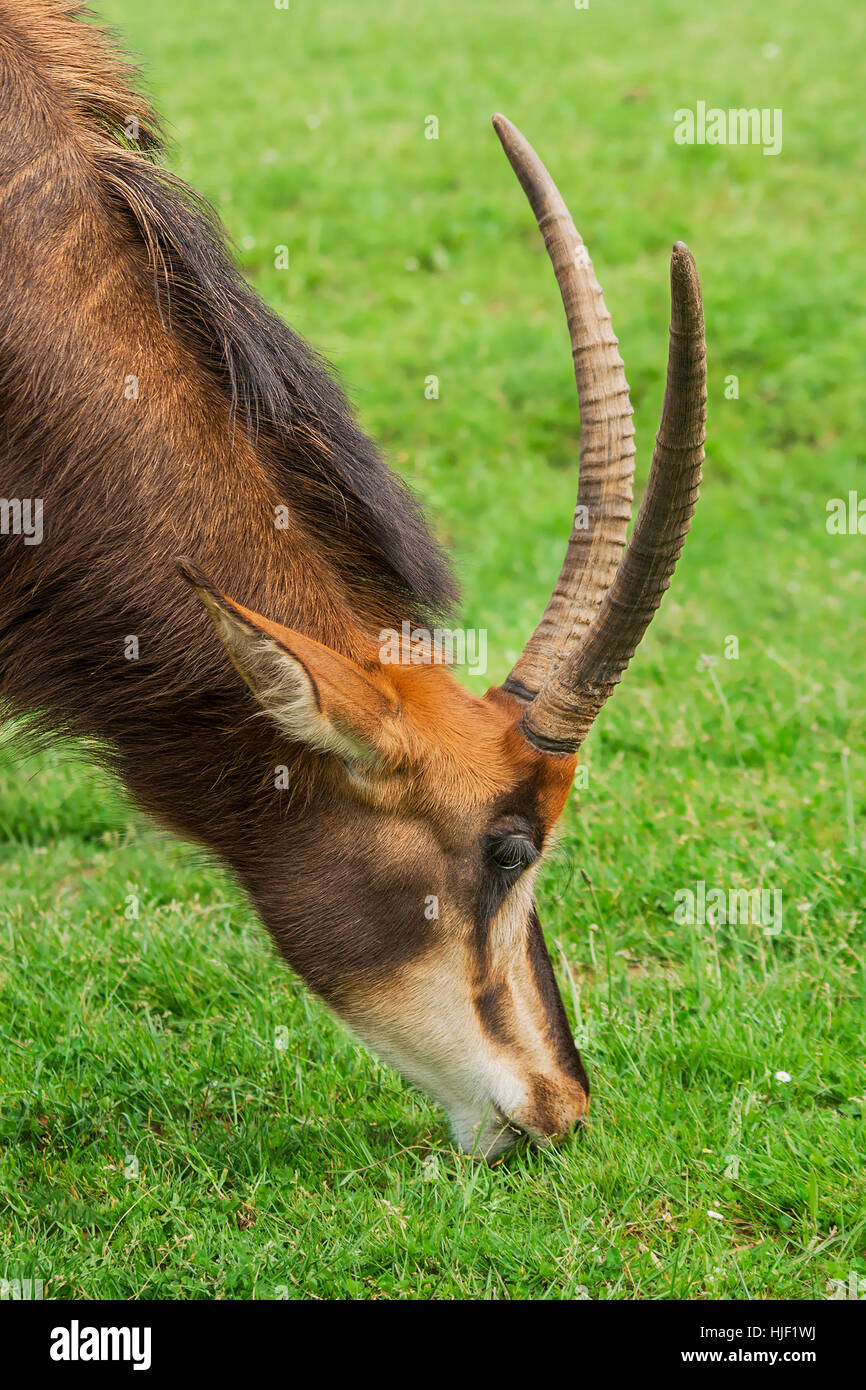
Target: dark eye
511 854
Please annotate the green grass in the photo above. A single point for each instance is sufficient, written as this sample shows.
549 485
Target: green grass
274 1157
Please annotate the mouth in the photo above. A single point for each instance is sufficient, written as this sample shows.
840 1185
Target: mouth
485 1137
510 1130
498 1134
500 1137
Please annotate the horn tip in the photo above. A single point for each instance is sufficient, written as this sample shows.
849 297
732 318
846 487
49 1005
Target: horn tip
684 274
504 129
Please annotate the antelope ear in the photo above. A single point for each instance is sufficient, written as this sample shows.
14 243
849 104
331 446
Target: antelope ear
312 693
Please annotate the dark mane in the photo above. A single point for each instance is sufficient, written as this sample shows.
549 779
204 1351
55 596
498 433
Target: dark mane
278 389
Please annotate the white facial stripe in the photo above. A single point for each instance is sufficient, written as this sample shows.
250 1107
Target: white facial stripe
509 926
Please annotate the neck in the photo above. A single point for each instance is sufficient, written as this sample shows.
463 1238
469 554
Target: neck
119 419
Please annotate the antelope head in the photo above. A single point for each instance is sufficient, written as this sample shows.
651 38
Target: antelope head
404 892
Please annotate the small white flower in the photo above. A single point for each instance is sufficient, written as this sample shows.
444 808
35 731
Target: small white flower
783 1076
716 1215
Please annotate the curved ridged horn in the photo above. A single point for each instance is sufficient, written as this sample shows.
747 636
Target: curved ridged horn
606 431
559 718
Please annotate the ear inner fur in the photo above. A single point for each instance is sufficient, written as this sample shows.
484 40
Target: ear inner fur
339 708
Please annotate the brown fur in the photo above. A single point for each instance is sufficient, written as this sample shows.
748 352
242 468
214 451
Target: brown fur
130 484
110 269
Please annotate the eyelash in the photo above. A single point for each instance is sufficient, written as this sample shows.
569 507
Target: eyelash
511 854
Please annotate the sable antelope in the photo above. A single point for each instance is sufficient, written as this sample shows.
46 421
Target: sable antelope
401 790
